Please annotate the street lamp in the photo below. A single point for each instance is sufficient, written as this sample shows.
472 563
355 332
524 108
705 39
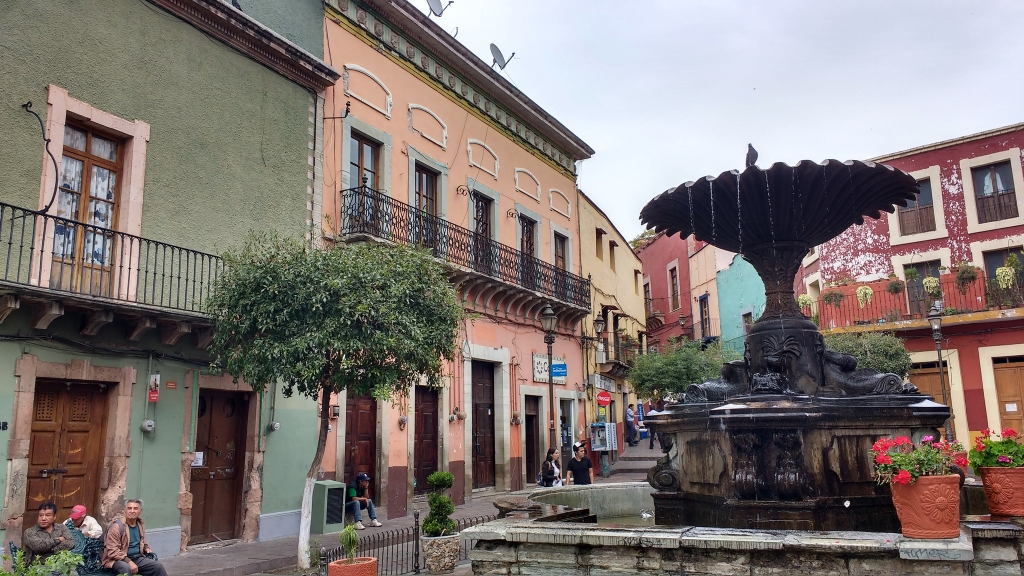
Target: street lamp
548 321
935 319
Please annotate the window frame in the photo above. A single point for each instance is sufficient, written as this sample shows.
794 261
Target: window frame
967 182
560 241
896 237
356 160
422 174
674 299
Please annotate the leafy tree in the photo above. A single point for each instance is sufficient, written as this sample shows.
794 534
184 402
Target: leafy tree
875 350
673 370
642 239
369 318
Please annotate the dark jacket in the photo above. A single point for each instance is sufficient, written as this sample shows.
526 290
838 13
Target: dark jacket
115 545
40 544
548 473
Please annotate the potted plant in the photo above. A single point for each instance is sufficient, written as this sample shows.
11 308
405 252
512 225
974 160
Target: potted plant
966 275
440 539
894 287
804 300
864 294
925 487
352 565
943 270
932 287
832 297
1000 462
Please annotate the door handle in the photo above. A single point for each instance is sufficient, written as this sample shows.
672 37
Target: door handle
45 472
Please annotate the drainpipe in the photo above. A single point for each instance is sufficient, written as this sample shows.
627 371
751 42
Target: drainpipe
193 409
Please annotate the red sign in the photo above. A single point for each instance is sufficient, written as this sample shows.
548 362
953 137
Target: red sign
154 394
604 398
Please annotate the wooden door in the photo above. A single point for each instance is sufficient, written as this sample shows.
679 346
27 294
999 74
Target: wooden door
65 447
926 377
531 451
217 469
1010 391
425 439
360 438
483 424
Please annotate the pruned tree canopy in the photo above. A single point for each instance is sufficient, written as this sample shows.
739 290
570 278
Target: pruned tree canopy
673 370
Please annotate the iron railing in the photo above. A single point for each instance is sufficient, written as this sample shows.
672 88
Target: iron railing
398 551
1001 205
61 255
367 211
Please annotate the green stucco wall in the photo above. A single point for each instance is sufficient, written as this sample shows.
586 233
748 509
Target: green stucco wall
740 290
289 452
229 137
301 21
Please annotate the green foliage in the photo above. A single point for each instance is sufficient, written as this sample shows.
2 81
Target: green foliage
948 311
314 553
864 294
371 318
966 275
441 480
349 541
932 286
1003 450
673 370
63 563
804 300
911 274
874 350
832 297
642 239
900 461
438 521
894 287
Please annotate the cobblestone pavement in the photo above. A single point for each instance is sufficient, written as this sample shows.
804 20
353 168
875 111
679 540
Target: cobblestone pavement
244 558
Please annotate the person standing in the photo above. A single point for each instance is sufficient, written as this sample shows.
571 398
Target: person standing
125 549
550 472
46 538
630 425
651 432
359 500
578 469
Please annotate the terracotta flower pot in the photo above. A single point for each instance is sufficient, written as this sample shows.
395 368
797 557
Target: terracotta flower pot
441 553
930 507
363 566
1004 489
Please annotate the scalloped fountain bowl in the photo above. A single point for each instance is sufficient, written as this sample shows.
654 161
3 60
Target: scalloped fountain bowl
782 439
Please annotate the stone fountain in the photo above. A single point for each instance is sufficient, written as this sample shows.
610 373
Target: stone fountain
782 439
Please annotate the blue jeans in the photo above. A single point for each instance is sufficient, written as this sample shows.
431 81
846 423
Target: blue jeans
355 506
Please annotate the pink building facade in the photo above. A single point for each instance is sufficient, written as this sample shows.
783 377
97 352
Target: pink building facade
666 289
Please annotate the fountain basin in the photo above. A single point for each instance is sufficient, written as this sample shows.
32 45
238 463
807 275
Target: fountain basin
607 500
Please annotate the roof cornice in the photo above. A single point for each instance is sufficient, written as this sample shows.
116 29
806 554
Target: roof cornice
243 33
403 18
948 143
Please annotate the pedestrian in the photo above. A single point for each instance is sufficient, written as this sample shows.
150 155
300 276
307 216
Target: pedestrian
359 500
578 469
125 549
47 537
550 473
630 425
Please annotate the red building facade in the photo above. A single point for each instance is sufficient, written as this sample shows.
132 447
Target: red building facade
666 286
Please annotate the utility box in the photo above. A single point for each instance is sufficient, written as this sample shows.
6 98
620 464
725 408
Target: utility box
603 437
328 507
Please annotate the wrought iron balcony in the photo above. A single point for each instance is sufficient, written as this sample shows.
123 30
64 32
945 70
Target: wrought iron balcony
43 255
365 211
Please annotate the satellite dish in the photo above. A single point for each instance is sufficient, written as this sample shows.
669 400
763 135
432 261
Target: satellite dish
435 6
455 34
499 59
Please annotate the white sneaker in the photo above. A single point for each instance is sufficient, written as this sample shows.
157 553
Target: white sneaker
375 524
359 526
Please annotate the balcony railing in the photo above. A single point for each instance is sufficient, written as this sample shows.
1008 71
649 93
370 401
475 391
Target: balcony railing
999 206
60 255
367 211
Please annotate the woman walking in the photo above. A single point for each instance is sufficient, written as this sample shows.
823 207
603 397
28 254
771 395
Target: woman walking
550 473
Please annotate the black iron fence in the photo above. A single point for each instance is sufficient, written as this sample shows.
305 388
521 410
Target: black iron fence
397 551
66 256
367 211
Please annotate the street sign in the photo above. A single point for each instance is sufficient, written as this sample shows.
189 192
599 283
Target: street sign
604 398
559 371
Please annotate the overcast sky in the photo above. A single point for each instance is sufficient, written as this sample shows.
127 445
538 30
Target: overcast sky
669 91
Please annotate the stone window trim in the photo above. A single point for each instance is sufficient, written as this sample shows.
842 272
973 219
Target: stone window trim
967 181
443 142
988 378
556 229
979 248
896 236
120 381
955 384
812 256
523 211
524 186
943 255
415 156
677 289
470 142
385 107
60 106
501 361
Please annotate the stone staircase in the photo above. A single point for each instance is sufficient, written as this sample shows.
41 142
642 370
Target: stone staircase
636 459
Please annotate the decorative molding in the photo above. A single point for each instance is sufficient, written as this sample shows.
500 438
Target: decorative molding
388 102
519 188
469 147
568 204
230 26
444 127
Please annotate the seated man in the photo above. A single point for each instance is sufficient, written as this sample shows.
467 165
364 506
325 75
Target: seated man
87 524
358 499
88 542
125 548
46 538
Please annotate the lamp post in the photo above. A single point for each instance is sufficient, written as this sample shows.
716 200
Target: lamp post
548 320
935 319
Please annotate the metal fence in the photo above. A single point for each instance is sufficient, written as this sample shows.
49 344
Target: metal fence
62 255
397 551
367 211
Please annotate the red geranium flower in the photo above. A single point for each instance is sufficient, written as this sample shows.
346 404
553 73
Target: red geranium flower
883 459
882 445
1009 433
986 432
902 441
961 460
903 477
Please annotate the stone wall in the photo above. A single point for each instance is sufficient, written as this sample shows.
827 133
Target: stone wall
517 546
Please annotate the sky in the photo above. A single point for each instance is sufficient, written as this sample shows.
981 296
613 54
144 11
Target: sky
667 91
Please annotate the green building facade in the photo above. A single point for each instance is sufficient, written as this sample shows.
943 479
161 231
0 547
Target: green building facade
740 301
176 127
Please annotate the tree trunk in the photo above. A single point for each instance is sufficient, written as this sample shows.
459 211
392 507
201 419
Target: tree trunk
306 516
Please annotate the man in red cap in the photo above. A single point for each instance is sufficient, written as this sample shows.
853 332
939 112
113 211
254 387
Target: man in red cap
87 524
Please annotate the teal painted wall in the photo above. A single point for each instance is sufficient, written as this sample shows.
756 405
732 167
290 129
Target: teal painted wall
301 21
289 452
229 137
739 290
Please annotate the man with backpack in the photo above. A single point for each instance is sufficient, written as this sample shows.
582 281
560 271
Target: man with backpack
125 549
